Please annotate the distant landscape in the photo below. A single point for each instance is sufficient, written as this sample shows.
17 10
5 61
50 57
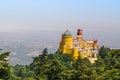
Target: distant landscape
59 40
25 45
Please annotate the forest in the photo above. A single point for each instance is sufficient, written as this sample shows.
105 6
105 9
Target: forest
58 66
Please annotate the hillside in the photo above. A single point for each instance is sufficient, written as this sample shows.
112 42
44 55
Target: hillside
57 66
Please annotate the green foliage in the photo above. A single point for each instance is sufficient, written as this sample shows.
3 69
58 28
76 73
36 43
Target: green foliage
22 71
58 66
6 71
3 56
103 52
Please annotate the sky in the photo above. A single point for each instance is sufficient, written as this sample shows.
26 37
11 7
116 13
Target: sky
98 18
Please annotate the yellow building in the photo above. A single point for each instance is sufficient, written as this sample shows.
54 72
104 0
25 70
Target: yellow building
78 46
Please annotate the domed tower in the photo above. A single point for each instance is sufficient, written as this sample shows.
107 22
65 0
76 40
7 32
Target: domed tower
67 33
65 45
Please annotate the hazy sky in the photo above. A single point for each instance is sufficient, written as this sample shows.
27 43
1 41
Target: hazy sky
101 18
59 14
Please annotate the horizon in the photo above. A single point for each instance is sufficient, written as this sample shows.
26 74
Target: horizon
45 36
98 19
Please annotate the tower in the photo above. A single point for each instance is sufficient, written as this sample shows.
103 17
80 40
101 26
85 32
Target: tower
66 42
78 46
79 33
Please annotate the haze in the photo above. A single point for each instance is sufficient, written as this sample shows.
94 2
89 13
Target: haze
98 18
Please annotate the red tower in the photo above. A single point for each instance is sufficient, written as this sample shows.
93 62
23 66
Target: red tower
95 41
79 32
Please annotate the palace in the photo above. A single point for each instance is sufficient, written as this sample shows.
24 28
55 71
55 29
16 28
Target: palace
78 46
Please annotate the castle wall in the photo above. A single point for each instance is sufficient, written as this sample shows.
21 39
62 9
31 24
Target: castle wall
78 47
66 44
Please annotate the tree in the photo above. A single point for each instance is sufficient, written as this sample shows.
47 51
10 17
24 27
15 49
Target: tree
56 71
39 65
23 71
6 71
57 66
103 52
45 52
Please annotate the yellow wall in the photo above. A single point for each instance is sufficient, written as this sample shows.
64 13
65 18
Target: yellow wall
75 54
66 46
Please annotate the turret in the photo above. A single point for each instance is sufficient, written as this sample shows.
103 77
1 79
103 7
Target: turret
66 42
79 32
67 33
95 44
